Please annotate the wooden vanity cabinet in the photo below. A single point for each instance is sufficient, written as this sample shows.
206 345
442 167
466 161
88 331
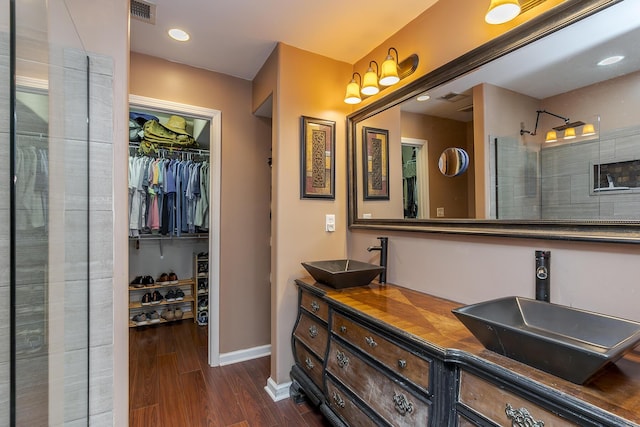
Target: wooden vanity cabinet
390 356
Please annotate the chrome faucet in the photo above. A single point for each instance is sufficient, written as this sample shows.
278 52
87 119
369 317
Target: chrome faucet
384 243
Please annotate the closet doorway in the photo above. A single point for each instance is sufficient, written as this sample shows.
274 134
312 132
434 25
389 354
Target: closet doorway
415 178
190 258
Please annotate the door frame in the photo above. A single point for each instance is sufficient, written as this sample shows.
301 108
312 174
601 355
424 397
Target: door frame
215 118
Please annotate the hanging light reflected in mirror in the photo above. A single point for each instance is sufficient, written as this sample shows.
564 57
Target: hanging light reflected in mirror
570 133
552 136
588 130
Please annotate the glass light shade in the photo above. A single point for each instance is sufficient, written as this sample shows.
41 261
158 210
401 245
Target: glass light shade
570 133
178 34
588 130
501 11
389 73
370 83
551 136
353 93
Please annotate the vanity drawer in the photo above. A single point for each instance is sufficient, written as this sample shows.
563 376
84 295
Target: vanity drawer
383 394
313 333
309 363
399 360
501 406
315 305
342 405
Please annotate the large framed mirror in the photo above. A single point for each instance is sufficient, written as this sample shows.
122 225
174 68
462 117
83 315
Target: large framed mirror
552 138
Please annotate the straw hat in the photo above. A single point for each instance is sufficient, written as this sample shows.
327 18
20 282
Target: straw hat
178 125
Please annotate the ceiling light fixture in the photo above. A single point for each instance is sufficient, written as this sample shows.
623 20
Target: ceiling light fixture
178 34
353 90
611 60
370 81
501 11
423 98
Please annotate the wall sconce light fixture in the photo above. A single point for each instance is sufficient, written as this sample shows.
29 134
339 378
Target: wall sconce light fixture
353 90
501 11
370 80
569 128
391 72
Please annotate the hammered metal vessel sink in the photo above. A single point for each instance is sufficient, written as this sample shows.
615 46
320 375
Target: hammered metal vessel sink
567 342
343 273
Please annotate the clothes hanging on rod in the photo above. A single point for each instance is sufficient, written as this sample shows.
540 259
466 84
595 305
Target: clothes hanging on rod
32 187
168 193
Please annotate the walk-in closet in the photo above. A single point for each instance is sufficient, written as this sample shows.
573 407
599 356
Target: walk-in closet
173 218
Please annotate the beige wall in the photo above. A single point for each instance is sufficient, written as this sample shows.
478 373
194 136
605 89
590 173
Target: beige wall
594 276
244 220
310 85
450 193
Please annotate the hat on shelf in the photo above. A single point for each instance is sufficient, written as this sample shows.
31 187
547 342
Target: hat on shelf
177 124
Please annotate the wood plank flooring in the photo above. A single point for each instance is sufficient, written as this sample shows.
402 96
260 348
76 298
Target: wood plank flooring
171 385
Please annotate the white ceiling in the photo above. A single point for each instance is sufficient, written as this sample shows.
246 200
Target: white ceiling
235 37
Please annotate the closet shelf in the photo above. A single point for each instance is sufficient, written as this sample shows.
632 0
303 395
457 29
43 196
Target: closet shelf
187 298
185 315
170 237
160 285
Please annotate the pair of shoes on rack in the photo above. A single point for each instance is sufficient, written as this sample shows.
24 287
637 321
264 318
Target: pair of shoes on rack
170 278
174 295
172 313
137 282
203 303
151 298
203 317
146 318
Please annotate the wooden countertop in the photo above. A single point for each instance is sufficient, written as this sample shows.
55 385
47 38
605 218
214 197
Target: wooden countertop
428 319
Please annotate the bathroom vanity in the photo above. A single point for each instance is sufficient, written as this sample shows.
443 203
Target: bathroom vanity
387 355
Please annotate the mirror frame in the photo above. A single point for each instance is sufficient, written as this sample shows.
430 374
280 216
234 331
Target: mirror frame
561 16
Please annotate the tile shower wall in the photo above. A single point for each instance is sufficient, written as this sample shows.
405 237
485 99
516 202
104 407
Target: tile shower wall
101 250
567 179
516 183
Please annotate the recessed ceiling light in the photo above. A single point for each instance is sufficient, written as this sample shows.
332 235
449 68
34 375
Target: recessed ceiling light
611 60
424 97
178 34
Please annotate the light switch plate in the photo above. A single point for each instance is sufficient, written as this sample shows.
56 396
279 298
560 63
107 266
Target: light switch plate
330 222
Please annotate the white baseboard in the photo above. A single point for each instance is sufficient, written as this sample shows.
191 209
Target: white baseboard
243 355
277 391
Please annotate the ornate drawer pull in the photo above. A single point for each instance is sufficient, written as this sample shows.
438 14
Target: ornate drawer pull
521 417
309 362
339 401
371 342
402 404
343 329
402 363
342 358
313 331
315 306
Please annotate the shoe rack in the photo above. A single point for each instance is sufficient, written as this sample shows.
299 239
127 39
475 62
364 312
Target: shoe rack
162 306
201 277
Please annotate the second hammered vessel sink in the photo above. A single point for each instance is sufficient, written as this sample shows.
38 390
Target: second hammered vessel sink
343 273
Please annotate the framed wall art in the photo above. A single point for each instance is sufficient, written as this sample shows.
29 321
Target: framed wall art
375 152
317 169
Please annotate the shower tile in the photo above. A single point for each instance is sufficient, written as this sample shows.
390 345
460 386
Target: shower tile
76 311
101 244
101 297
101 108
101 64
101 178
104 419
101 374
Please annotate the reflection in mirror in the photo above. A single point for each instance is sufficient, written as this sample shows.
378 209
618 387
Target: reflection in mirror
453 161
490 113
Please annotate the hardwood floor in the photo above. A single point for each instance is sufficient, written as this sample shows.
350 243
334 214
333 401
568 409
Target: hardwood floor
171 385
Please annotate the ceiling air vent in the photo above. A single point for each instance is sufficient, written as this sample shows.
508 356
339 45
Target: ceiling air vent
143 11
454 97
